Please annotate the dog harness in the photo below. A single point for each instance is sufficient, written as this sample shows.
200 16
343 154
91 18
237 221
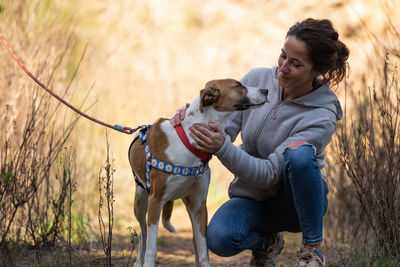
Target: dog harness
169 167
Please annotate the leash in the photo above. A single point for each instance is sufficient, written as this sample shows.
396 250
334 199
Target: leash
117 127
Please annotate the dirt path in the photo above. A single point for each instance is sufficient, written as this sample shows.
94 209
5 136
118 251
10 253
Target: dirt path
173 250
177 249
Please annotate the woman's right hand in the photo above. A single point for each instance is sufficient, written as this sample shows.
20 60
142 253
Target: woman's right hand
179 116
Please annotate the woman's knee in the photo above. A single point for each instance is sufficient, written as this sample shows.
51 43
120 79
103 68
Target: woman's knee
219 241
300 157
229 229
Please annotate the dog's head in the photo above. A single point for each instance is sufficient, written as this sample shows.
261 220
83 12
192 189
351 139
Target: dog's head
231 95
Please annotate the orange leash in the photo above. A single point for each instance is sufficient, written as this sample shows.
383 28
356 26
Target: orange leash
117 127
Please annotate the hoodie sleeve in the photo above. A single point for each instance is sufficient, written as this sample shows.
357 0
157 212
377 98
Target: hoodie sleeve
233 125
265 173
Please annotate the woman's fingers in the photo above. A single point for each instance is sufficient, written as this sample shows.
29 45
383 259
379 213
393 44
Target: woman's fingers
182 112
215 127
207 140
200 144
201 131
179 115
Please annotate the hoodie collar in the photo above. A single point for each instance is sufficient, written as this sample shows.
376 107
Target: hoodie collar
321 97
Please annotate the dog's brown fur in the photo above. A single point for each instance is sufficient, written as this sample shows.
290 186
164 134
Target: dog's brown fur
158 141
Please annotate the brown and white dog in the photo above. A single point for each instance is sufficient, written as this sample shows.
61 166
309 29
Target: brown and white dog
216 102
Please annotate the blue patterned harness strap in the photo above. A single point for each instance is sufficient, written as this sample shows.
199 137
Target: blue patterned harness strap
165 166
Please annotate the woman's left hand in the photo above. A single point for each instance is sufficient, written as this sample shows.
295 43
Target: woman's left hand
207 140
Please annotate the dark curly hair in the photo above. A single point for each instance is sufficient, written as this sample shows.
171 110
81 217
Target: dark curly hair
328 54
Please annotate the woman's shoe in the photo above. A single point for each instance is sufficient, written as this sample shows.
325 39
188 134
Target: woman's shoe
309 257
266 257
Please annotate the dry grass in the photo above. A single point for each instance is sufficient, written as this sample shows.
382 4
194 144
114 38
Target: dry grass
35 166
147 58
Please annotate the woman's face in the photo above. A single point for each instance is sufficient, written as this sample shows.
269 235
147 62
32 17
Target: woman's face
296 72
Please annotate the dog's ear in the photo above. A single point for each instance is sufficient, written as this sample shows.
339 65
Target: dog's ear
208 96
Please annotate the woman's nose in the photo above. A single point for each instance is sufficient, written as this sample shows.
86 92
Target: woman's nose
284 67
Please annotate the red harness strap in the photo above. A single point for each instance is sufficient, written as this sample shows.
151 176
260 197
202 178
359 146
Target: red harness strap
205 158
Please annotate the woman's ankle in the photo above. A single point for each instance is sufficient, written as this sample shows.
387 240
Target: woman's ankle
317 246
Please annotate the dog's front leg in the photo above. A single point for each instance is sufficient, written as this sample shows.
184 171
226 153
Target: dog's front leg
153 218
195 204
198 216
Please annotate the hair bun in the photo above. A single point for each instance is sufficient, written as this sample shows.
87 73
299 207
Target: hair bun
336 36
342 51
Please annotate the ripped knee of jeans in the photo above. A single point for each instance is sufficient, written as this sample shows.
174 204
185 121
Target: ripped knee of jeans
296 144
300 151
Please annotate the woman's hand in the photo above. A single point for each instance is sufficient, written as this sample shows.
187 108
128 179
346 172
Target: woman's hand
207 140
179 116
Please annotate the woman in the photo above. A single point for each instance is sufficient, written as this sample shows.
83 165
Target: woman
278 185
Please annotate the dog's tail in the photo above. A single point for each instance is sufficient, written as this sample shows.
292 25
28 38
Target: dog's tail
166 216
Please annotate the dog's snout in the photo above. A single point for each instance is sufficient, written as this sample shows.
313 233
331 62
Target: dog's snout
264 92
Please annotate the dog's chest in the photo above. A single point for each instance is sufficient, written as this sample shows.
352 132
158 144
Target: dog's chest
176 151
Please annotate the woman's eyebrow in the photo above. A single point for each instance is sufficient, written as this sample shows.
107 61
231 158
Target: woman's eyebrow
293 58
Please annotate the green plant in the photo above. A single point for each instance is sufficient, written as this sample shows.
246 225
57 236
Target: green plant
162 241
49 208
81 230
378 259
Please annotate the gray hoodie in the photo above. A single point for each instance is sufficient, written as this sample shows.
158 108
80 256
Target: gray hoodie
266 132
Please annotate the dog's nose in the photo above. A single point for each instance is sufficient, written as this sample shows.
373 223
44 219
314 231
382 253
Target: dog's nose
264 92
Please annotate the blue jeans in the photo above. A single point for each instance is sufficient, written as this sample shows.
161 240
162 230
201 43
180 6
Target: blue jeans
241 223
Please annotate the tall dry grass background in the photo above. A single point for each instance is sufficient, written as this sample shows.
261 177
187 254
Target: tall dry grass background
143 60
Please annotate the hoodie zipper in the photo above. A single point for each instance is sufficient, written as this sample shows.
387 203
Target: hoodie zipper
268 117
274 108
266 120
